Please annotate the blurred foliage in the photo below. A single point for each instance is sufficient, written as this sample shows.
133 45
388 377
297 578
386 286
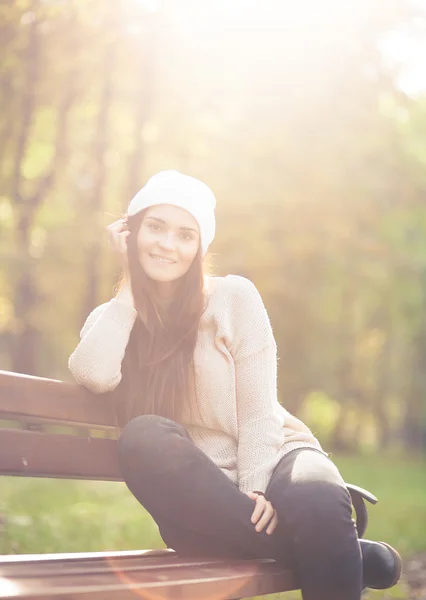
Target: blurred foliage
289 112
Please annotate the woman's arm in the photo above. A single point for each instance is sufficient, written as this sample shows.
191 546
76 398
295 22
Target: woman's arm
262 423
96 361
296 424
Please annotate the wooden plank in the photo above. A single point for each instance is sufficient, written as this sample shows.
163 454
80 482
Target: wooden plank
53 400
38 454
165 576
13 563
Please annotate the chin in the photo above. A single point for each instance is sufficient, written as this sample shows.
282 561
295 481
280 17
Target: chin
162 277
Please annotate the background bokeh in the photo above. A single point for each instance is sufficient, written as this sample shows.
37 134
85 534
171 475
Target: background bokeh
308 121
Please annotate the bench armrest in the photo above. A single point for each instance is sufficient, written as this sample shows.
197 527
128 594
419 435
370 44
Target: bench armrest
358 496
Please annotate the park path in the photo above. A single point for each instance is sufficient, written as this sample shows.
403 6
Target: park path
415 576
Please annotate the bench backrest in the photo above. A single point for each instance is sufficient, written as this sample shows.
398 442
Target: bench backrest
27 399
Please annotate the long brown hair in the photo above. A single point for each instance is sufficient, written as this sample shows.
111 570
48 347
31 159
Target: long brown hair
157 368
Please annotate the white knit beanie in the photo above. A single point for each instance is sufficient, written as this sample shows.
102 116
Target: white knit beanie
172 187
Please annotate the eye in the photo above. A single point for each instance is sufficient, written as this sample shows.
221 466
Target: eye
186 236
154 226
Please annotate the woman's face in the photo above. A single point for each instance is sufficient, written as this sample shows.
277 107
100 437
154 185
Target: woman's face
168 241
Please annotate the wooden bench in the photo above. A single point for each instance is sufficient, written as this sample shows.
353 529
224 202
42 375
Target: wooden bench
156 574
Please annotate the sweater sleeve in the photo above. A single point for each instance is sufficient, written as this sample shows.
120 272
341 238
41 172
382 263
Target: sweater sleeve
260 416
96 361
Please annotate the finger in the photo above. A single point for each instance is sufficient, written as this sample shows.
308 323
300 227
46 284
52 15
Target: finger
117 226
259 508
252 495
266 517
264 521
112 232
123 241
114 241
273 524
115 237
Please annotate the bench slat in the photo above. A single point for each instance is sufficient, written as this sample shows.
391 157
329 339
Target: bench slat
65 562
37 454
165 576
27 396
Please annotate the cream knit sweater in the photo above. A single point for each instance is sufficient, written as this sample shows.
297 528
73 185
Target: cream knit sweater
243 428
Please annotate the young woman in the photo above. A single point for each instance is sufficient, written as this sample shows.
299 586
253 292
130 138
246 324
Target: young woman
205 446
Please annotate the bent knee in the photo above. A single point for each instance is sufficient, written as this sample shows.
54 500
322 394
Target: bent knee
319 505
144 435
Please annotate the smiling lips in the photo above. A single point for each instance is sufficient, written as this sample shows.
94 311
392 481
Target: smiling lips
161 259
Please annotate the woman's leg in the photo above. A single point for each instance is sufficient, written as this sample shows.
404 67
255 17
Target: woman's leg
196 545
178 484
200 511
314 508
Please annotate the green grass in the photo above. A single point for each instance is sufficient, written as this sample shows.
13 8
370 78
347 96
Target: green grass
399 518
73 516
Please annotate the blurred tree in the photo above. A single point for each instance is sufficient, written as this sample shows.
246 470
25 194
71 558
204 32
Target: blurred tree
290 114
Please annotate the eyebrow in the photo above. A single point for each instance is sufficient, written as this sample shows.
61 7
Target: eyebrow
164 223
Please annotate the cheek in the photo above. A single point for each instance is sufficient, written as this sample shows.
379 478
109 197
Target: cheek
143 241
140 240
188 254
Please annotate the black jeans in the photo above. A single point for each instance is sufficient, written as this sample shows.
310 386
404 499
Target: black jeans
201 512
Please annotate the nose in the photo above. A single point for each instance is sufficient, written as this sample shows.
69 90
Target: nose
166 241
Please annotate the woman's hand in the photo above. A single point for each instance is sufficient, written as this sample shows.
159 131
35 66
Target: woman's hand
117 236
263 514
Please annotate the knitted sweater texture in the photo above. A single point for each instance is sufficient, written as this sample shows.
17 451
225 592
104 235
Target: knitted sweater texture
242 426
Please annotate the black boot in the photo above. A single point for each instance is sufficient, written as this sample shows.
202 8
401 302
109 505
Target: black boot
382 565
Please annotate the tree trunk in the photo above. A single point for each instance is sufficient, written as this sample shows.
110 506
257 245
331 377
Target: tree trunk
100 144
26 296
414 424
